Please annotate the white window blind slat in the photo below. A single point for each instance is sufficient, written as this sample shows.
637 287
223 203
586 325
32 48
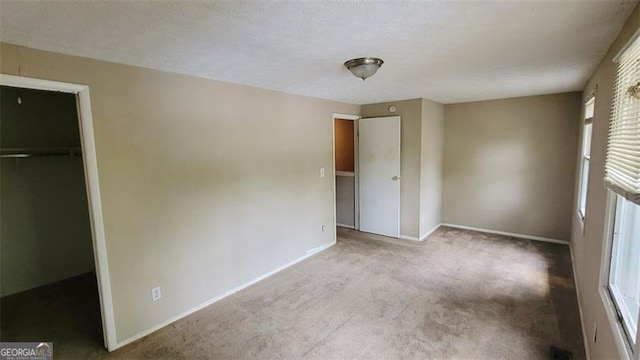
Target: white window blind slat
626 178
588 111
624 126
628 112
622 167
626 156
628 152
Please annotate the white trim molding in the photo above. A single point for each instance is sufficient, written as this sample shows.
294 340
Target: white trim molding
521 236
167 322
355 118
310 252
89 157
619 336
423 237
407 237
346 116
585 338
346 226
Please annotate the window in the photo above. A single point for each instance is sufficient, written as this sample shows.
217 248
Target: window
624 274
586 155
622 177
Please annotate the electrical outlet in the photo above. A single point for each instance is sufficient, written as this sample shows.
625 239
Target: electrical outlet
156 293
321 172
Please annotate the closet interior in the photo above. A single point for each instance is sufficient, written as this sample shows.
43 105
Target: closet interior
48 288
346 172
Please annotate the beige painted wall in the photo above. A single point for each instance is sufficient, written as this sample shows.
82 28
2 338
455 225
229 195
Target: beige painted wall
410 122
588 246
44 215
205 185
431 148
509 165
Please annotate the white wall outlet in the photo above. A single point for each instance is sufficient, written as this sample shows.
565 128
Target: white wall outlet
156 293
321 172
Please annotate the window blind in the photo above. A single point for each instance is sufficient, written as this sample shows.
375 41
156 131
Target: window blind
622 168
588 110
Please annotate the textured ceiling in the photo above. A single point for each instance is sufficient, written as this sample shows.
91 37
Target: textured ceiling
445 51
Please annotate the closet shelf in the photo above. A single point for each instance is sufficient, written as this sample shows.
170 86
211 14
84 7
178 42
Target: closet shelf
19 153
345 173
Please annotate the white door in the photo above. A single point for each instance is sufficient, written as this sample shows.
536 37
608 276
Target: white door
379 180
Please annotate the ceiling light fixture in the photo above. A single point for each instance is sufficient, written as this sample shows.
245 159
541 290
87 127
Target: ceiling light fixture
363 67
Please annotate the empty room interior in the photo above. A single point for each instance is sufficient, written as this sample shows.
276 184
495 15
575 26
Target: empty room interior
320 180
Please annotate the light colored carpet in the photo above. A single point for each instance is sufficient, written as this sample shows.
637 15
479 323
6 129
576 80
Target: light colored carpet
458 295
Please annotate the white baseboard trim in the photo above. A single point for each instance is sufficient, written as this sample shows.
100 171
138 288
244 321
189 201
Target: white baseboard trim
425 236
585 339
413 238
522 236
138 336
309 253
346 226
422 238
407 237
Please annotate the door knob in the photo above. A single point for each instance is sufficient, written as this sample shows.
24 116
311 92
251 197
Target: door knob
395 178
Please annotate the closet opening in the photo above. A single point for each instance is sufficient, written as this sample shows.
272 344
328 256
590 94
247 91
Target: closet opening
346 170
54 284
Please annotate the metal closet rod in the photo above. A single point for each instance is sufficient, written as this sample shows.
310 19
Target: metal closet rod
31 152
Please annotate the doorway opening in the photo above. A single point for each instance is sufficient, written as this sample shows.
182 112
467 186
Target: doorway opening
345 145
367 174
55 279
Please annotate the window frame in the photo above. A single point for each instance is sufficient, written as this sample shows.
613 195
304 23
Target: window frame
585 155
622 339
614 292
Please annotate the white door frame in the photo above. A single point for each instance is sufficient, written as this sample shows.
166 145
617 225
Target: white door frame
354 118
93 190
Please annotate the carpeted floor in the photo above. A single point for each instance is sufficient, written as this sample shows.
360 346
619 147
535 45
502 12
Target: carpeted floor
458 295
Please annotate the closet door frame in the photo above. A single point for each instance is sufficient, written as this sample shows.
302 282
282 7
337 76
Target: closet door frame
93 190
355 119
